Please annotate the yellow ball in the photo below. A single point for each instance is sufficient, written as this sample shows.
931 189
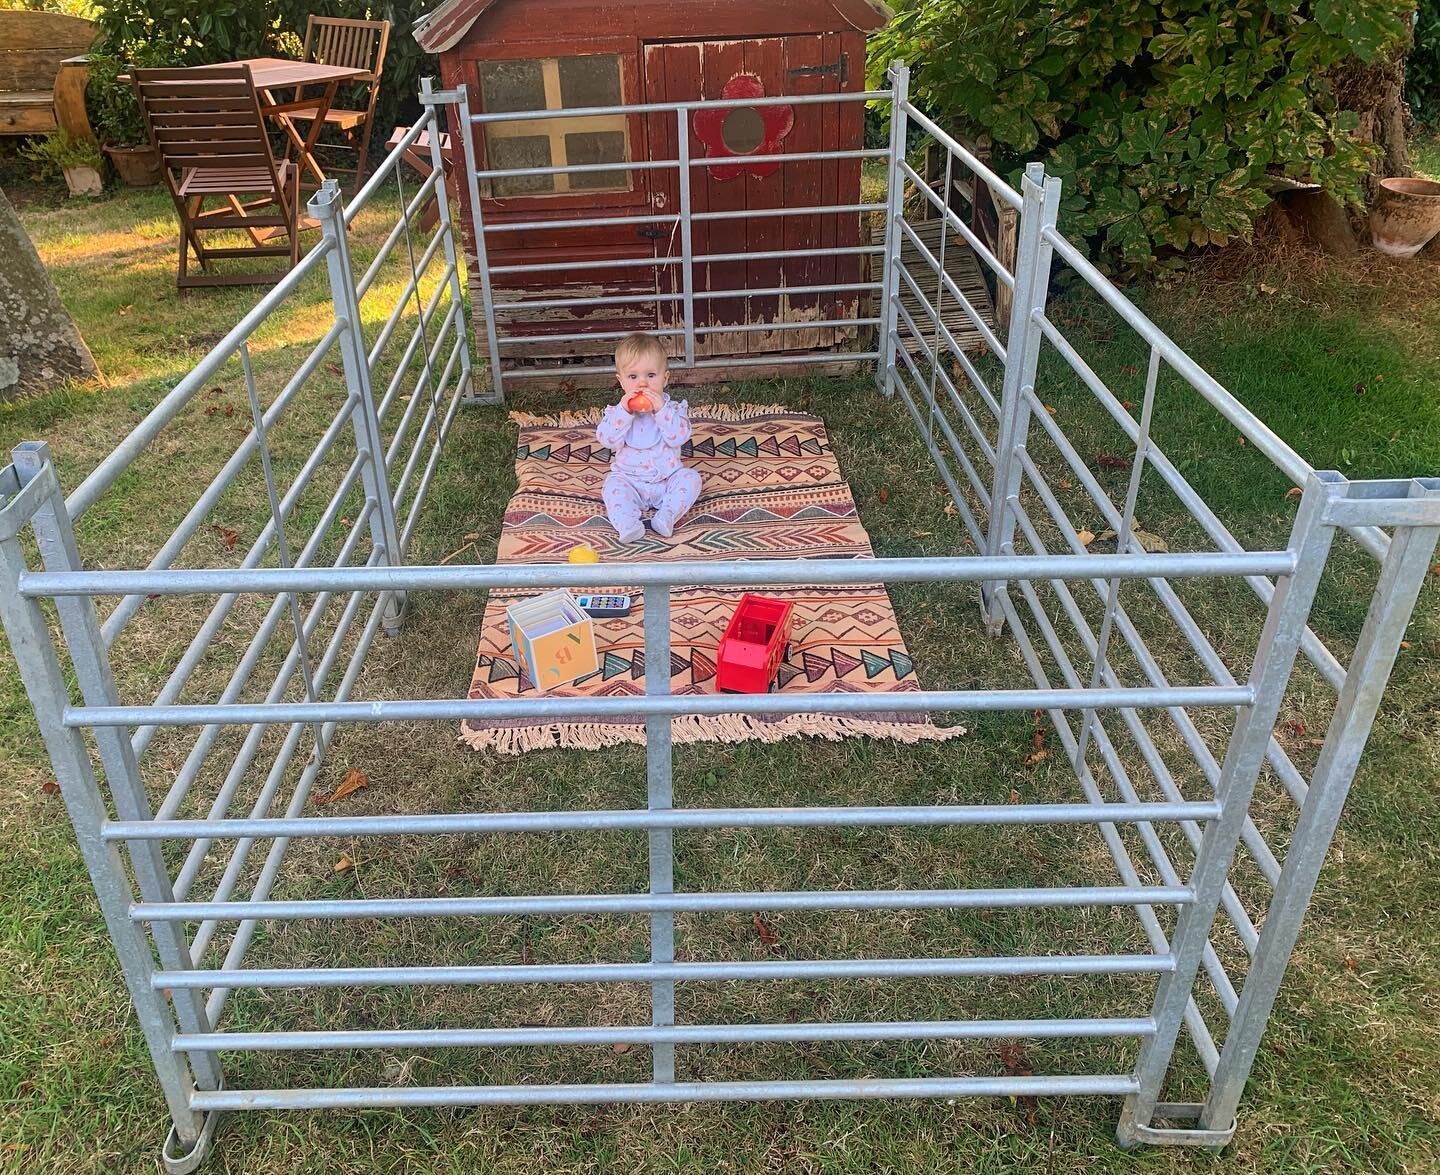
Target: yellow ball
584 554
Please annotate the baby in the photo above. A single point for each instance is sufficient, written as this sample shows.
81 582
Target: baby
645 431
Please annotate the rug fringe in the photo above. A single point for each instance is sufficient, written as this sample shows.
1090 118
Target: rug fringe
699 728
579 417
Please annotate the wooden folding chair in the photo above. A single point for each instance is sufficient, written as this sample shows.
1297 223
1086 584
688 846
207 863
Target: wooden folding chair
353 44
207 125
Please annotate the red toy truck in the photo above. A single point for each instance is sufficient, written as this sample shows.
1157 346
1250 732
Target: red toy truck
756 640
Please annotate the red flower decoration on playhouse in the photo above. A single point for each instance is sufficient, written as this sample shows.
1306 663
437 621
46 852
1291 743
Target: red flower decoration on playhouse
743 130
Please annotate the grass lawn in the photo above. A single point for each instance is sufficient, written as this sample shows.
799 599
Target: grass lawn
1343 361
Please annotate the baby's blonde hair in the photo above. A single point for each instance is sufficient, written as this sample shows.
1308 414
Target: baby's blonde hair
640 346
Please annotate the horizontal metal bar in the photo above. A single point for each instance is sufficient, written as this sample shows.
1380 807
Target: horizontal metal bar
465 823
699 296
649 903
705 1091
522 226
799 324
495 173
678 1034
760 969
698 259
786 360
196 380
798 210
963 569
630 709
672 107
580 337
1402 511
992 181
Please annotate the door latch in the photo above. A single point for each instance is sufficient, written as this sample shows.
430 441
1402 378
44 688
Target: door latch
840 69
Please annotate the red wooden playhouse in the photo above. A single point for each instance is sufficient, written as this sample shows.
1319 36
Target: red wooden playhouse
532 55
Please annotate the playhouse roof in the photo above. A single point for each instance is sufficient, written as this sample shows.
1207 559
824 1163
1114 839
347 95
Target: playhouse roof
445 26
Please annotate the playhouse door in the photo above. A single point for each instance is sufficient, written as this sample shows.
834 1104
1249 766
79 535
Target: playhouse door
772 66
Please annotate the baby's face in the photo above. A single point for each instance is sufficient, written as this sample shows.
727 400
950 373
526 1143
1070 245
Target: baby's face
647 374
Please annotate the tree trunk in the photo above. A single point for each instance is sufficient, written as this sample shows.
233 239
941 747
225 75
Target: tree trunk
39 345
1376 92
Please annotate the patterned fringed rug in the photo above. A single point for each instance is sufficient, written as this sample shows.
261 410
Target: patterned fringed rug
772 490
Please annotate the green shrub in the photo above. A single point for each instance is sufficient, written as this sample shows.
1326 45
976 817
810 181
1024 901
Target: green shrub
53 153
163 32
1162 117
1422 69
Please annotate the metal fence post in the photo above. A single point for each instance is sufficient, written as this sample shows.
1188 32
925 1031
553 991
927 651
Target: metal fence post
894 238
58 550
44 680
477 225
1041 206
327 208
1285 621
659 795
687 240
1402 575
447 226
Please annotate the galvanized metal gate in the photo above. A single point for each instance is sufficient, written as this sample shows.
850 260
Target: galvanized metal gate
1103 672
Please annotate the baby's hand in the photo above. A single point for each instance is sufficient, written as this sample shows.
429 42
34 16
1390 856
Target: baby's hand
639 402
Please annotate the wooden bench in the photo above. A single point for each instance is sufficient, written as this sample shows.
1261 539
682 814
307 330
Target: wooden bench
43 72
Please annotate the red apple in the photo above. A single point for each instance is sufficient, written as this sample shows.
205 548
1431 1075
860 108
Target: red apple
639 402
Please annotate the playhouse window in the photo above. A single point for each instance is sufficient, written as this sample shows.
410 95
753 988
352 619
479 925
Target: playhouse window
555 83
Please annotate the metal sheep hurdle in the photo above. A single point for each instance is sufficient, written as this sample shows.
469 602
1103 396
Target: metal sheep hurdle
1110 665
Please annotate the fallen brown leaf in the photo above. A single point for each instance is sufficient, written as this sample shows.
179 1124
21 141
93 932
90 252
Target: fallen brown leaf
883 494
1065 483
623 1048
1050 409
1111 461
1036 757
1086 537
763 929
1296 727
344 863
1152 543
951 510
227 536
1294 492
49 787
1014 796
354 780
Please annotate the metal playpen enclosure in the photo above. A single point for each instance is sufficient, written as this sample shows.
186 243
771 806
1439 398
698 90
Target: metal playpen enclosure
185 801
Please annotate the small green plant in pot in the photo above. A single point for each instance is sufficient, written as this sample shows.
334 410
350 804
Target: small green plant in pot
78 159
115 114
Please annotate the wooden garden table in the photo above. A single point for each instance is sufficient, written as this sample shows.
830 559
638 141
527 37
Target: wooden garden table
280 73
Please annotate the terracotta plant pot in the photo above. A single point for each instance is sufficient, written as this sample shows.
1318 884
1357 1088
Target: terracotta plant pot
83 181
1404 215
139 167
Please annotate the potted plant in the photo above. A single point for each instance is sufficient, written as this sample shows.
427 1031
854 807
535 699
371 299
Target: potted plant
79 159
115 115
